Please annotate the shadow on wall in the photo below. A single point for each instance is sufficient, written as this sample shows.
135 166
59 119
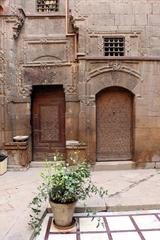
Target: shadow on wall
1 9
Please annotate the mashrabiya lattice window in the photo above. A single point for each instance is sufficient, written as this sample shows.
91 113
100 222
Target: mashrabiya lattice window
114 46
47 5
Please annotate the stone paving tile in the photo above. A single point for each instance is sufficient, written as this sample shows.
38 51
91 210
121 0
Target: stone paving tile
147 221
125 236
87 226
92 236
150 235
120 223
138 225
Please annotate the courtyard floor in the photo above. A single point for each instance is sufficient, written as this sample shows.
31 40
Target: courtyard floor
140 225
127 190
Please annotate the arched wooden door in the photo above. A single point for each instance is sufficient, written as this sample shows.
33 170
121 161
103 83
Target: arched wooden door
114 124
48 121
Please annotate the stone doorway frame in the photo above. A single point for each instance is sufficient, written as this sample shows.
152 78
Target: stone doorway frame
115 75
45 89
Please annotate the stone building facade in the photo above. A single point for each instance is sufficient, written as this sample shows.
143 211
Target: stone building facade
80 70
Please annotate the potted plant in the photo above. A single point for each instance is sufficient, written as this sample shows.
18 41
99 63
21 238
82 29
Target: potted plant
63 185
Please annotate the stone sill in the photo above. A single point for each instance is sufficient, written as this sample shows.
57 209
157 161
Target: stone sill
141 58
51 15
16 146
76 147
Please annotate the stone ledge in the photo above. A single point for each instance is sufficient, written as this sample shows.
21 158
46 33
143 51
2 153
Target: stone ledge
113 208
16 145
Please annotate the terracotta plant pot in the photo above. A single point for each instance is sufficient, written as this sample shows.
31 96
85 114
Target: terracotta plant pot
63 213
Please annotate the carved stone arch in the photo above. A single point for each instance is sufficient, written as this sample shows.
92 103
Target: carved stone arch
112 75
47 58
113 67
109 76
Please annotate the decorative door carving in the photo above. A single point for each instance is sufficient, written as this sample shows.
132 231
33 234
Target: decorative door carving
48 122
114 124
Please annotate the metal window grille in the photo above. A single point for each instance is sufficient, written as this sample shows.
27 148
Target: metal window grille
114 46
47 5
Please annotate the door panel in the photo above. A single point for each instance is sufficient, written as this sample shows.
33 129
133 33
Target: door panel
48 122
114 125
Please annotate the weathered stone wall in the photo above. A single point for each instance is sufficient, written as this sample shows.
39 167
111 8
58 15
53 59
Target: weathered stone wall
138 20
43 54
139 23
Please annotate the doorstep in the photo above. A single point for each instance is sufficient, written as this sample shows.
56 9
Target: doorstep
36 164
137 225
123 165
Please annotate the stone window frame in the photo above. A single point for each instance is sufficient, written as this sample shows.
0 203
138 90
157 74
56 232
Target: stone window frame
44 8
133 46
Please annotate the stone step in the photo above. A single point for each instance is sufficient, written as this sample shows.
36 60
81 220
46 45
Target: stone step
15 167
111 165
36 164
123 165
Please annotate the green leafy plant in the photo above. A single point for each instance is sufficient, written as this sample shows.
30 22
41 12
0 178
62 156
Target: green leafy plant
62 183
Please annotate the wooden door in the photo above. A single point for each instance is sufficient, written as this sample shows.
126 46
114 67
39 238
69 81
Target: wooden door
48 121
114 125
